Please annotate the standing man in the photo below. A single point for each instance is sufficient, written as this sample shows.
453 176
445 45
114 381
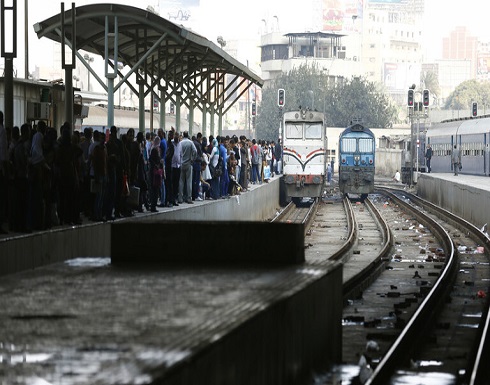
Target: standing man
170 198
329 172
163 154
196 166
456 159
176 165
188 154
115 172
428 156
224 180
278 156
39 168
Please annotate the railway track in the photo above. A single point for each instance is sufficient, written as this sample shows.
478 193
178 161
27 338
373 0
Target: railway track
450 346
404 288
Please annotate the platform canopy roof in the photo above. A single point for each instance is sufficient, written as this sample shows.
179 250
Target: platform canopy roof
163 53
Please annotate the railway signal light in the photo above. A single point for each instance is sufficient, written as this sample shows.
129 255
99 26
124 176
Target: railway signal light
410 98
254 109
426 98
475 109
281 97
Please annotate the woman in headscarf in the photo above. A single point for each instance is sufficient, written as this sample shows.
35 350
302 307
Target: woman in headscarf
213 163
156 173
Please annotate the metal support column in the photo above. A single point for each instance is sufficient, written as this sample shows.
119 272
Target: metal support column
220 122
204 120
9 92
68 65
177 111
211 120
111 73
9 52
110 101
141 105
163 123
191 116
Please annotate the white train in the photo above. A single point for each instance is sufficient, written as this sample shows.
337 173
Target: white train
304 154
471 135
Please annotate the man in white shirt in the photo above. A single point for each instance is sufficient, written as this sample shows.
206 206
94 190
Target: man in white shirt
397 177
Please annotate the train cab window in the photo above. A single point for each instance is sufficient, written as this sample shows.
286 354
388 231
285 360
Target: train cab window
349 145
313 131
294 131
366 145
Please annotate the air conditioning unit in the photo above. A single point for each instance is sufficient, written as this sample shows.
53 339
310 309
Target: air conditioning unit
80 111
37 110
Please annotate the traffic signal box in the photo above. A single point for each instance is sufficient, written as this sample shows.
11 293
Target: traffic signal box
475 109
280 97
410 98
426 98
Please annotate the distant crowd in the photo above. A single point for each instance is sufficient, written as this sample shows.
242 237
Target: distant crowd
48 179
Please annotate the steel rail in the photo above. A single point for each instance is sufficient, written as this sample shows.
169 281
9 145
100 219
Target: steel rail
479 371
431 305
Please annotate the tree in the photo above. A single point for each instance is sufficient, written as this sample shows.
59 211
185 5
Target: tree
359 98
468 92
308 87
430 82
303 88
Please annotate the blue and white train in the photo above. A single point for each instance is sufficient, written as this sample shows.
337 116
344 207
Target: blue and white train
304 153
357 149
471 135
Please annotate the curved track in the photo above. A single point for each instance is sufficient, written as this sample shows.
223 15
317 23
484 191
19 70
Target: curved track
398 285
448 346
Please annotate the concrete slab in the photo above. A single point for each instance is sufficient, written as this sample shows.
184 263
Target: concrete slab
89 321
221 242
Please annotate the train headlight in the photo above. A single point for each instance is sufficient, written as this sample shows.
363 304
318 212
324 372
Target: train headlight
370 161
363 161
344 161
317 179
289 179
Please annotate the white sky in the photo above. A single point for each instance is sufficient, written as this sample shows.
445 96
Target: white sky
233 19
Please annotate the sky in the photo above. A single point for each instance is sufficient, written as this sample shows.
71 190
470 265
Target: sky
244 20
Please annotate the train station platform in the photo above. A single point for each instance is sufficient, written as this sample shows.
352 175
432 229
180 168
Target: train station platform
70 316
465 195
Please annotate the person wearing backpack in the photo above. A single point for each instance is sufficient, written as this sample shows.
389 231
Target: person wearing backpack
254 153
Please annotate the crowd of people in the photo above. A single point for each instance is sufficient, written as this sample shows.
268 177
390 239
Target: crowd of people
50 177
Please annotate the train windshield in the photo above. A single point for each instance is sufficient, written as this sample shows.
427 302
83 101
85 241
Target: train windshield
349 145
294 130
365 145
313 130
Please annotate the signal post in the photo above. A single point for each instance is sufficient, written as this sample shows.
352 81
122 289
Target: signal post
416 111
281 99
